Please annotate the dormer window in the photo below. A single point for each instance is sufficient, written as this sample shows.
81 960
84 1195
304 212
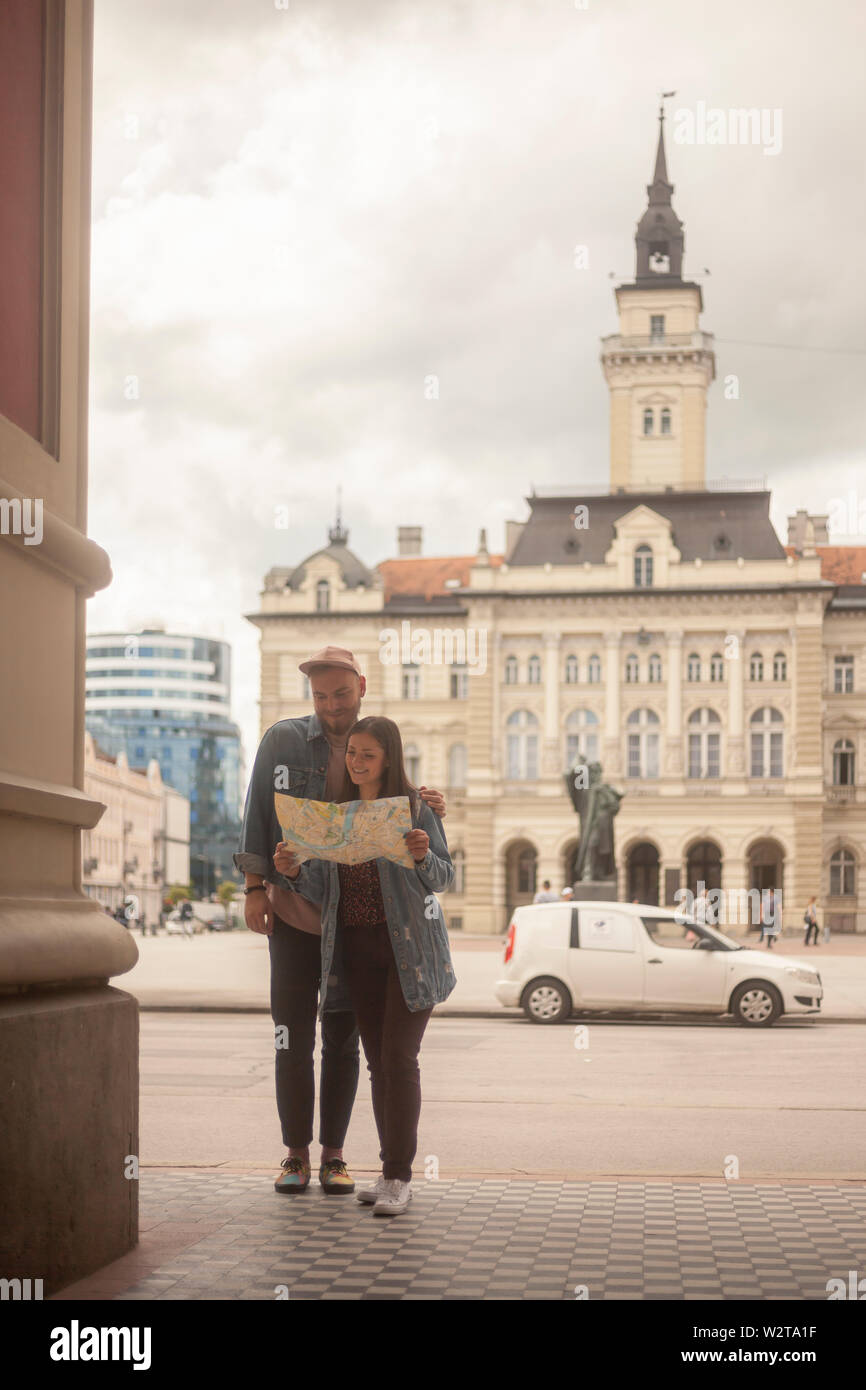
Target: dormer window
323 596
648 421
643 567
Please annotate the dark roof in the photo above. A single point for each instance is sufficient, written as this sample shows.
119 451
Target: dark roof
354 572
701 522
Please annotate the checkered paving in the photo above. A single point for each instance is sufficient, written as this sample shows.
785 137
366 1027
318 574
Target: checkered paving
507 1239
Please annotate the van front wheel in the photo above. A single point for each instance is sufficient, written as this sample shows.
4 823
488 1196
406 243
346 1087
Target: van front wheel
546 1001
757 1004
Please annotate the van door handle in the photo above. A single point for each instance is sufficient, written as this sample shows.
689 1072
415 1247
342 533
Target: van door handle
654 960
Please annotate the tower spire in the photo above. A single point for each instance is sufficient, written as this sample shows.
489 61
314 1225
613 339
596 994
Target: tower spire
659 240
337 534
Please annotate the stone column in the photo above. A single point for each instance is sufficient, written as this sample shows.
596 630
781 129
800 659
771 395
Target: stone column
551 755
674 732
485 893
68 1042
612 746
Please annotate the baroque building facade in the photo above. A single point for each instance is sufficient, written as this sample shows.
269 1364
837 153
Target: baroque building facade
661 628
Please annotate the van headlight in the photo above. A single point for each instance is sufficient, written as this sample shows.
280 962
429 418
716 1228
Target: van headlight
809 977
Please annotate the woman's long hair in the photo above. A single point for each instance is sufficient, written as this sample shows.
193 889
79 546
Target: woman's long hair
394 779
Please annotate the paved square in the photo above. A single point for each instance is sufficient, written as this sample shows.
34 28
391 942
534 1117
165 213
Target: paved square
494 1239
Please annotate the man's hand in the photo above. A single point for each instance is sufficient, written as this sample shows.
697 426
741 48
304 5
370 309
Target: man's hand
257 913
435 800
286 861
417 843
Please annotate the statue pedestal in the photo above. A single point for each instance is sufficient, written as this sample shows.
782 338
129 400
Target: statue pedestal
601 890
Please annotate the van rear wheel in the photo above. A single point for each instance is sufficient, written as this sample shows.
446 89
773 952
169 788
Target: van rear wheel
546 1000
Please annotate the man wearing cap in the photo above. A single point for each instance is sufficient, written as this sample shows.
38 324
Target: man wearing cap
305 757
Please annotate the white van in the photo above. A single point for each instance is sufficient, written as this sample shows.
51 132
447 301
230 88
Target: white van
634 957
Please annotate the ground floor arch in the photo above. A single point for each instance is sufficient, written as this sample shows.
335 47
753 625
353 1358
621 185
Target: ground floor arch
642 872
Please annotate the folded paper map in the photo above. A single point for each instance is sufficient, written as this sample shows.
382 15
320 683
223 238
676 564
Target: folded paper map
350 833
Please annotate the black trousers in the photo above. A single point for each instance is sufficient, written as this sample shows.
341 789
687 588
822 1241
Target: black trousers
391 1034
296 969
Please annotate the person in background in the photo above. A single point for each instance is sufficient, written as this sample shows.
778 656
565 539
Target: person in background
545 894
810 919
566 895
771 925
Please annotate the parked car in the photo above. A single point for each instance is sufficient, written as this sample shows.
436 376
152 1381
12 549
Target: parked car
637 958
174 924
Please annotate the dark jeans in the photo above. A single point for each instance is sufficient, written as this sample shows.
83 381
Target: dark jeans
811 931
391 1034
296 968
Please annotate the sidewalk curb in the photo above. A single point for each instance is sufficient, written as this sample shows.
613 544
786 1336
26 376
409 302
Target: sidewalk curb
502 1012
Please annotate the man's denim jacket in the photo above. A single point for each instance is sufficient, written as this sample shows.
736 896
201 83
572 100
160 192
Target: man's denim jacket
420 942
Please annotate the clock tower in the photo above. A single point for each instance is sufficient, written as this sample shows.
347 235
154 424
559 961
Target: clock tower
659 365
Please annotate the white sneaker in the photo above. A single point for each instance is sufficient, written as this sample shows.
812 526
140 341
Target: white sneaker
372 1194
395 1198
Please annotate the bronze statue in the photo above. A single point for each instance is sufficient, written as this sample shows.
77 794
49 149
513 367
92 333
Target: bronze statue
596 803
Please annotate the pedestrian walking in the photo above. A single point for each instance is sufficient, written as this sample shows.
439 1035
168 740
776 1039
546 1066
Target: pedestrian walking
545 894
383 928
810 919
770 917
306 757
186 916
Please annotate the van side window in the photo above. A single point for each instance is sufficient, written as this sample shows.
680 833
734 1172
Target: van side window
667 932
604 930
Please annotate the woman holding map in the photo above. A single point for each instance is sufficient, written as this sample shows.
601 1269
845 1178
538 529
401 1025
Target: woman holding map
383 921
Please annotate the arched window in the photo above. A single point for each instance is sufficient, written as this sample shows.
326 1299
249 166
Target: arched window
767 751
521 746
458 859
457 765
581 736
648 421
717 667
843 883
511 670
666 420
571 670
534 670
693 667
631 669
643 743
593 670
843 763
412 763
655 669
780 667
704 743
643 567
756 667
323 596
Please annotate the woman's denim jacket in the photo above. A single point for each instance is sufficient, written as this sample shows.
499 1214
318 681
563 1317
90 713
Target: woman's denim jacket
416 925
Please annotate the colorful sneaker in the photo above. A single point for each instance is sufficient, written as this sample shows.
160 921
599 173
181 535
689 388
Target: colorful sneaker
296 1177
394 1199
335 1177
372 1194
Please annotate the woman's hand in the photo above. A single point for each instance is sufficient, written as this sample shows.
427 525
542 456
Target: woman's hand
417 843
286 861
435 800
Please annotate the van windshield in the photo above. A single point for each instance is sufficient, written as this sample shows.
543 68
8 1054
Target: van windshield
683 931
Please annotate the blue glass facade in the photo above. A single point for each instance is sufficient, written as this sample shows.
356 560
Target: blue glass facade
168 697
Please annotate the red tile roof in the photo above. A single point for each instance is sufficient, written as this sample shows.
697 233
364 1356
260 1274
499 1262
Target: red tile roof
841 564
418 575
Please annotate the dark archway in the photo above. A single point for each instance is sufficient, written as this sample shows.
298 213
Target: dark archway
642 873
704 866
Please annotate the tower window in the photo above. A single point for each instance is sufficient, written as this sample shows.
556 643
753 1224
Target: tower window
647 422
657 327
666 421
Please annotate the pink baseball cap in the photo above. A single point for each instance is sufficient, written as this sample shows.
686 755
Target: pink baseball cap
331 656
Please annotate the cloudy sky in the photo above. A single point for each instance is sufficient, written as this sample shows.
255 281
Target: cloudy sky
302 210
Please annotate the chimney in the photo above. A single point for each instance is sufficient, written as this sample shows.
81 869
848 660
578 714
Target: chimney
801 525
408 540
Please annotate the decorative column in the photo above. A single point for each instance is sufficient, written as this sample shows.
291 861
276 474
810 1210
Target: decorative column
674 732
551 756
612 758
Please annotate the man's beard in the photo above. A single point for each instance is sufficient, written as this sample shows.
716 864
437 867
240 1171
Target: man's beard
345 721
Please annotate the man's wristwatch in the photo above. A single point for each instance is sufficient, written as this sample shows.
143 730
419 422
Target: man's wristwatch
254 888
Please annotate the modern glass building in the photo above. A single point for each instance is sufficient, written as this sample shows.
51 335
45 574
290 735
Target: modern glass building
167 696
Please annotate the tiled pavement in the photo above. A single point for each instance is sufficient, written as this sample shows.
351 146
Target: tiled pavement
234 1237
